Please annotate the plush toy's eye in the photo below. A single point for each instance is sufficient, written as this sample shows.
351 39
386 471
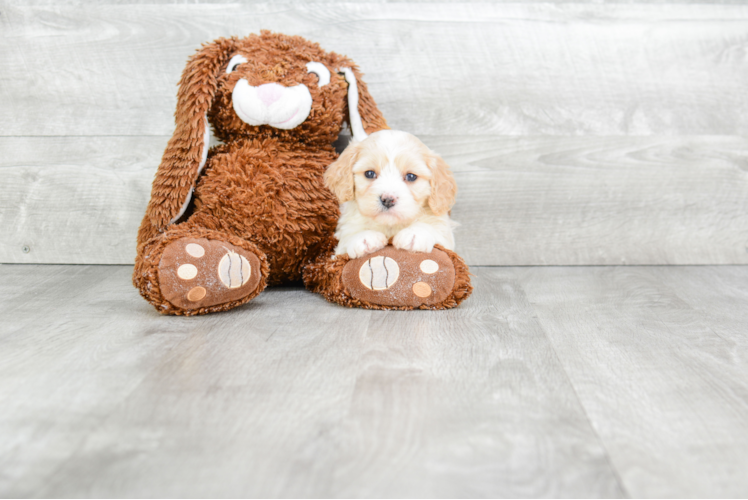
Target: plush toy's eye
370 174
411 177
234 62
320 70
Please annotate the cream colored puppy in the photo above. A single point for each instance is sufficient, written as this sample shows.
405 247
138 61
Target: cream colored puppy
391 185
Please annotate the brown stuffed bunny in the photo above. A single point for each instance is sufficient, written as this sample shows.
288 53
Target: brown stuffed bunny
223 224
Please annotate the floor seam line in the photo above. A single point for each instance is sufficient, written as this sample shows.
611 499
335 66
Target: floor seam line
614 470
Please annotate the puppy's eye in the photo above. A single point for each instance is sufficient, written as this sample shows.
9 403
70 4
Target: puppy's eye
234 62
370 174
411 177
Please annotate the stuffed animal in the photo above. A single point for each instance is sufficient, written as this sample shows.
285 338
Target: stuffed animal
225 223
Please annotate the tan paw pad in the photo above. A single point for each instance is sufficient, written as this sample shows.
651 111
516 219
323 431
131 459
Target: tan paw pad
379 273
196 294
195 250
187 271
422 289
234 270
429 266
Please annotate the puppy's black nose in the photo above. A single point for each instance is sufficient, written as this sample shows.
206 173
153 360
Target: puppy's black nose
387 201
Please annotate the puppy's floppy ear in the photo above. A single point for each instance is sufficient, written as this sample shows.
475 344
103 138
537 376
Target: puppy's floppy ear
187 150
443 186
339 175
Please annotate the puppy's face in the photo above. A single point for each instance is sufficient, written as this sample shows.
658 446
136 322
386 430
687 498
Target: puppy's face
393 177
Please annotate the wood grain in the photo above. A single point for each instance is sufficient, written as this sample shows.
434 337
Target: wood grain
660 364
719 295
550 381
470 68
457 401
522 201
76 200
601 200
42 3
289 396
69 358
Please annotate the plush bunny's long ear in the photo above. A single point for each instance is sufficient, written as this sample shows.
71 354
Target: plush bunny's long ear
187 150
364 116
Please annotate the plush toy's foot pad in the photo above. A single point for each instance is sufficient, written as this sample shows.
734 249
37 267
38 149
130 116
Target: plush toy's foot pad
394 277
197 272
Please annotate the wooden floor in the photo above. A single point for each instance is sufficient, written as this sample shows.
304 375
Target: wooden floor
549 381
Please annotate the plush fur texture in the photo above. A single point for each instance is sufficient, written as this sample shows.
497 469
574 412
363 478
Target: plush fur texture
262 190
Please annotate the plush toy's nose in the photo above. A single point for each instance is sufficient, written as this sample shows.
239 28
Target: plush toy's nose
269 93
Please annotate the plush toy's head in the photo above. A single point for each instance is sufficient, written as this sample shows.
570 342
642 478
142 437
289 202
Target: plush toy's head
274 85
263 86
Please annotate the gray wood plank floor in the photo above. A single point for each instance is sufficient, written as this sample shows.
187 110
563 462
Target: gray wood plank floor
555 381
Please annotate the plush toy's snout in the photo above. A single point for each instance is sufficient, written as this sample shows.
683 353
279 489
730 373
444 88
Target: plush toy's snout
271 104
282 107
269 93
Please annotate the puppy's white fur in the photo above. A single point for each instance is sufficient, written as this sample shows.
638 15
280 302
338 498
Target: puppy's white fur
419 217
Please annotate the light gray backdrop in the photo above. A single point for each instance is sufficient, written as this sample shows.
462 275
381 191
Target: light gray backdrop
579 133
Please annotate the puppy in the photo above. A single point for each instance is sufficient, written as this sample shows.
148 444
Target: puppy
391 185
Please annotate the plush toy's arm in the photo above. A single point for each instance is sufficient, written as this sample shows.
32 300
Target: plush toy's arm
175 180
174 183
187 150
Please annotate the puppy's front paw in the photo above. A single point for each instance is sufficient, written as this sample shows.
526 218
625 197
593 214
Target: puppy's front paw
415 240
366 242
